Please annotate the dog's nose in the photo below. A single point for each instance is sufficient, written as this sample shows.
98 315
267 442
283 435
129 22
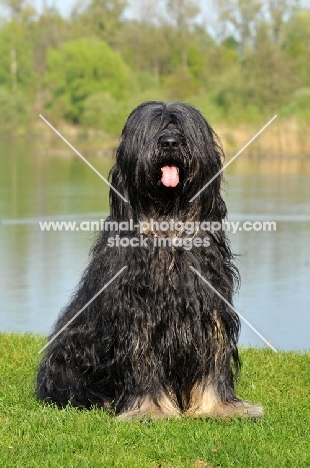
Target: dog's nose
170 142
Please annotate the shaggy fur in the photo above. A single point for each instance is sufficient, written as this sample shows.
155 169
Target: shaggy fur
157 341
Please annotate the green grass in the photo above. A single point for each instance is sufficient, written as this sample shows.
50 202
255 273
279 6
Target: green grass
34 435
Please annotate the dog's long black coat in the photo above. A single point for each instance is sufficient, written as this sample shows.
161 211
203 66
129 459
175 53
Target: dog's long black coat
158 328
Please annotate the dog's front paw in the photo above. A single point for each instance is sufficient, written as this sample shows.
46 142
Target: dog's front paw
164 408
221 410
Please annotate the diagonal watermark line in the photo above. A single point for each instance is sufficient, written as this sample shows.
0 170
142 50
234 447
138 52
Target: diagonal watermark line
235 310
82 157
83 308
232 159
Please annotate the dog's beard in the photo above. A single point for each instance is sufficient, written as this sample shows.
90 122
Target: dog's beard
163 171
163 175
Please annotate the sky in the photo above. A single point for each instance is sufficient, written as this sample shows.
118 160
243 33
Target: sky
206 5
64 6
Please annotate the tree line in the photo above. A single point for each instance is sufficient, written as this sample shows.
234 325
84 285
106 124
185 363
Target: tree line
244 60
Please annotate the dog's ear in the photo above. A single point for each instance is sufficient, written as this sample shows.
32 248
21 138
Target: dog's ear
119 208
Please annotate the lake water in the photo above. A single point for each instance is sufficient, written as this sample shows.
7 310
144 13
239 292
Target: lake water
39 270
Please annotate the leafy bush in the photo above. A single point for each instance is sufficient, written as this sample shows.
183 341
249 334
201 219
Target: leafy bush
101 111
83 68
299 106
181 84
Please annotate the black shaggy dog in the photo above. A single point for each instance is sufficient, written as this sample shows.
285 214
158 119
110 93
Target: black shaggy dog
158 341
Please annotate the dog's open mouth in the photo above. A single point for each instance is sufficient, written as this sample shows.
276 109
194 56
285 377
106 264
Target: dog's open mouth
170 176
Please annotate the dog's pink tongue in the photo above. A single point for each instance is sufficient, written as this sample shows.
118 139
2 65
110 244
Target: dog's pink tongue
169 176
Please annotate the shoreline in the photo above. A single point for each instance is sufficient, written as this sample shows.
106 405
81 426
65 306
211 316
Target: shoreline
283 139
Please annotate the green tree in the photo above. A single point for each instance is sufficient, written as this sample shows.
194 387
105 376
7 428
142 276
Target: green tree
15 7
269 74
296 43
279 11
84 67
239 17
14 115
145 48
183 16
20 10
16 70
199 51
181 84
49 31
102 18
103 112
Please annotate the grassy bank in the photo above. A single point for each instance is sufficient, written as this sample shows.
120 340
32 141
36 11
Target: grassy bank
33 435
284 137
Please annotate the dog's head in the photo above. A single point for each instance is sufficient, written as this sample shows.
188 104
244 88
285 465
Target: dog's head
167 153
